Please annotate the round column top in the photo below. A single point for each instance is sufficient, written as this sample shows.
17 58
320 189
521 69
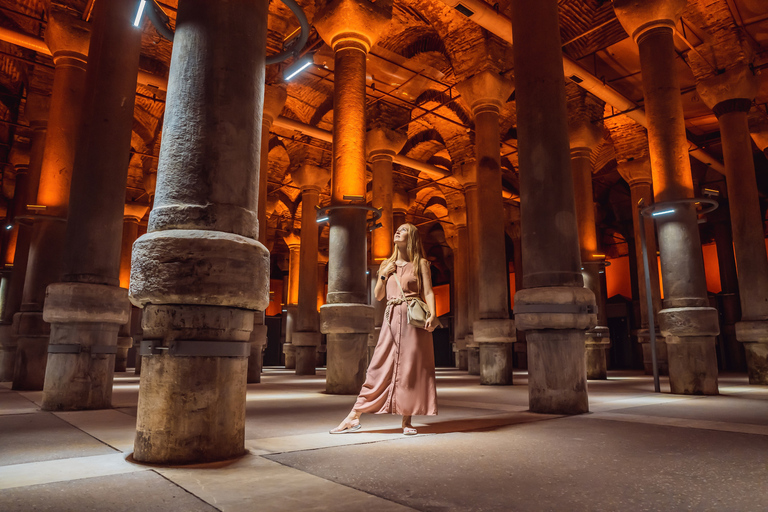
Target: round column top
583 134
384 143
639 16
66 35
485 90
636 171
310 176
739 82
274 101
352 23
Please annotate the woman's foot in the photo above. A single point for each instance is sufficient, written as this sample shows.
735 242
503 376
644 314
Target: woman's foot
350 424
408 429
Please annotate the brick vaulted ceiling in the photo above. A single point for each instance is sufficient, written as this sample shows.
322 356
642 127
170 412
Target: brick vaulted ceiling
427 49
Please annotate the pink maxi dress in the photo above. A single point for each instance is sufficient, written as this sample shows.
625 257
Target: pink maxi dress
401 376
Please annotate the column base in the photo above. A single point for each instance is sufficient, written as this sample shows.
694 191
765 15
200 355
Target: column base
258 341
31 350
496 364
290 356
597 343
347 327
7 352
754 335
192 404
462 362
557 382
124 344
306 359
692 365
473 360
662 361
521 350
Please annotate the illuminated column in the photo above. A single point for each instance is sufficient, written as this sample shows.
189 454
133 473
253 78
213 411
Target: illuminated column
382 145
306 335
400 203
293 242
460 247
584 137
322 278
515 233
466 175
730 96
493 331
132 215
350 28
88 307
199 272
67 37
687 322
553 307
637 173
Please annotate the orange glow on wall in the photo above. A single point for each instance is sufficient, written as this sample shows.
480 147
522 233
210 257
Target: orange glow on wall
442 299
275 297
512 289
10 248
711 268
618 279
321 295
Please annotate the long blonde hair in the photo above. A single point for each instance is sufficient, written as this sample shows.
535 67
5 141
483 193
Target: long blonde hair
414 252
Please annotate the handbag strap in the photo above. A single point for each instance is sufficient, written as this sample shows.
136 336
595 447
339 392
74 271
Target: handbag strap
400 286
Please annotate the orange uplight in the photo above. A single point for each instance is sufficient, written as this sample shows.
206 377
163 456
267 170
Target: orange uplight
512 289
275 297
618 278
711 268
442 299
10 248
599 256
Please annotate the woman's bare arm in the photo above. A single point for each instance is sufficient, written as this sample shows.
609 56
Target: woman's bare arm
380 291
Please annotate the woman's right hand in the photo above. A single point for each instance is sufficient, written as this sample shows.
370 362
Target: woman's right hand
388 269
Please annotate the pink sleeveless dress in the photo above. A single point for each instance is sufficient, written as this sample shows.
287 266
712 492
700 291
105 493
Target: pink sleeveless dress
401 376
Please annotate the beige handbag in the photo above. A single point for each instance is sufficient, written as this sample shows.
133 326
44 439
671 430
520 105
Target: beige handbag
418 311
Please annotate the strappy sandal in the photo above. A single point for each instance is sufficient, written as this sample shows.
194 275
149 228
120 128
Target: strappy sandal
409 431
346 430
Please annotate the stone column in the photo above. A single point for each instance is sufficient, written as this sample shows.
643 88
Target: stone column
461 249
350 28
637 173
584 138
322 278
132 215
400 203
466 175
293 241
730 96
88 307
20 158
199 272
553 307
687 322
730 303
494 332
68 38
382 145
306 335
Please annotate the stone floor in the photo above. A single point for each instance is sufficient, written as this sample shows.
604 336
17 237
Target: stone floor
636 450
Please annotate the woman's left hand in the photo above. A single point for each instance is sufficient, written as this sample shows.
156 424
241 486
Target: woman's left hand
430 325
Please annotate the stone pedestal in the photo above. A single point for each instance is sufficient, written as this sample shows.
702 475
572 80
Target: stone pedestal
644 338
199 272
257 341
289 353
687 322
553 307
347 327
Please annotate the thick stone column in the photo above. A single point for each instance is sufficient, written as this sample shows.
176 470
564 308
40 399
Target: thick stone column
584 138
730 96
466 175
382 145
199 272
730 303
306 335
68 38
87 309
493 330
461 249
400 203
132 215
637 173
293 241
554 308
350 28
687 322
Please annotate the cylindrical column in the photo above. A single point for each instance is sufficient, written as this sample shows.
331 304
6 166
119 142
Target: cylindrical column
729 302
554 308
88 307
293 241
493 331
67 37
199 272
460 247
133 213
306 336
687 322
350 28
730 96
584 137
466 175
637 173
400 204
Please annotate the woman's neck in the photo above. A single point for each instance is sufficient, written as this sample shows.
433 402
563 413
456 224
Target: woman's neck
401 256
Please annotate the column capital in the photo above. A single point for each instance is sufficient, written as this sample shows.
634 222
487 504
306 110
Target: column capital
458 216
67 37
731 91
640 16
760 137
400 200
352 23
485 91
466 173
310 177
19 155
135 211
636 171
36 108
274 101
583 134
384 143
293 241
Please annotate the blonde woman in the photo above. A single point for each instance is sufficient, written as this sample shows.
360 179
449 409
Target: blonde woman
401 376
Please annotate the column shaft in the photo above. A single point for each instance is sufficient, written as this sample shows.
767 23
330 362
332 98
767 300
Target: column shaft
306 337
473 307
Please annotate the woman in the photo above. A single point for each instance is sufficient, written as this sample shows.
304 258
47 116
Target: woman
401 376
